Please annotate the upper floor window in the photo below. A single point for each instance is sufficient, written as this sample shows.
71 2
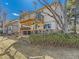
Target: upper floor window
39 16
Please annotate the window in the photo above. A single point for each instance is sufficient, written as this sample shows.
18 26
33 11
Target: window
47 26
61 17
39 16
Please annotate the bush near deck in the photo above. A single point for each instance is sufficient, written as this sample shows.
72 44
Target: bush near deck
55 40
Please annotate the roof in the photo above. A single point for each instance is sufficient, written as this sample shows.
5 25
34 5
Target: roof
41 9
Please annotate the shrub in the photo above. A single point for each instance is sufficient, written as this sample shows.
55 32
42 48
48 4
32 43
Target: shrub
55 39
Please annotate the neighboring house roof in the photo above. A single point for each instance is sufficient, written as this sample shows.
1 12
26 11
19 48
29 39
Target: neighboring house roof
11 22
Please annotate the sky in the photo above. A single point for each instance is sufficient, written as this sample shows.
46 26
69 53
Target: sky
15 7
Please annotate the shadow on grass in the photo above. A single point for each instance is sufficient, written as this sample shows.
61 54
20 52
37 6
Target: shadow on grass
22 46
7 52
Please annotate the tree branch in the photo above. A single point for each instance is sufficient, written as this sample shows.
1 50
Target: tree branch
55 15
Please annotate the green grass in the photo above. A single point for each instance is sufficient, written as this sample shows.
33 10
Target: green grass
55 39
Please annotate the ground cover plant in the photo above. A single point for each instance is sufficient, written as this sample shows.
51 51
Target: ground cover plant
55 40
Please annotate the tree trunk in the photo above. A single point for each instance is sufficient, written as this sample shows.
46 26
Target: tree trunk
65 18
75 25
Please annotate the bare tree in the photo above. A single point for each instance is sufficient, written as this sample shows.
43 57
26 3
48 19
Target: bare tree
54 14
